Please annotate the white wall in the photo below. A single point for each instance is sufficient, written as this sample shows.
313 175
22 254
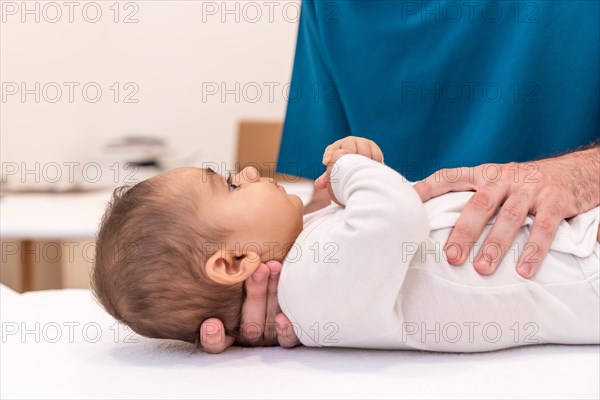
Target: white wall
174 49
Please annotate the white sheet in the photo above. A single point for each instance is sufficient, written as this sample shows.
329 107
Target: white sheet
77 367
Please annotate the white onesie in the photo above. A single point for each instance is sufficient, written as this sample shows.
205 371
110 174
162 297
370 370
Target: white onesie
373 274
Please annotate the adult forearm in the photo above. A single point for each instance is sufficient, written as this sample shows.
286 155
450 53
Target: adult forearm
593 144
580 175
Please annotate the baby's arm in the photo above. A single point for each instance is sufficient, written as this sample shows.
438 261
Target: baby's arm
345 282
384 217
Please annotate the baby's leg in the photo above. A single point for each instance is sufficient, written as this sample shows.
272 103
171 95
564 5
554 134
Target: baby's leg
598 237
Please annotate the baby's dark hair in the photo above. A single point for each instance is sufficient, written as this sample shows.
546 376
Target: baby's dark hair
149 269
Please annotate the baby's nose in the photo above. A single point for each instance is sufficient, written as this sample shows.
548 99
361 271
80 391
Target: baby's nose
250 174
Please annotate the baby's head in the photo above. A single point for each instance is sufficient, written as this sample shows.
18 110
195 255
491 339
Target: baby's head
176 249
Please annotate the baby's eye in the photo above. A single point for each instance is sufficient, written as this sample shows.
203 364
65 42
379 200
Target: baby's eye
229 184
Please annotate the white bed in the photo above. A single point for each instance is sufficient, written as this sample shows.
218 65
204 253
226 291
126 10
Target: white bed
100 361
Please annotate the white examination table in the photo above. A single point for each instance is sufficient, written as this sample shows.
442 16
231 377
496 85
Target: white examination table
61 344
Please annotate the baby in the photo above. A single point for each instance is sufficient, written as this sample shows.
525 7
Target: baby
368 271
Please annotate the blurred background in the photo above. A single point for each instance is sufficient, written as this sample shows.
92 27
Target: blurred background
96 94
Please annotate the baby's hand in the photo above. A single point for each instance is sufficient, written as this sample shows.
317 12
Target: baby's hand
347 145
354 145
324 181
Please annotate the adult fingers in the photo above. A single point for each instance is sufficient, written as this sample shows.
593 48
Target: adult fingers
545 225
446 180
508 222
270 333
286 336
255 306
213 338
475 215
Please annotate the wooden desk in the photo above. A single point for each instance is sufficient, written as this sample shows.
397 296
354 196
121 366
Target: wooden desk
29 219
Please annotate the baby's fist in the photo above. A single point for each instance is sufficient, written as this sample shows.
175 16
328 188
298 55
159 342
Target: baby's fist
324 181
354 145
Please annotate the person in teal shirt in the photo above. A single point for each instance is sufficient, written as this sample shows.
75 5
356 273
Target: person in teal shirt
443 84
450 91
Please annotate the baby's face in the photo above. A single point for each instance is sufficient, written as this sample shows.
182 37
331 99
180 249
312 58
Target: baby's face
256 210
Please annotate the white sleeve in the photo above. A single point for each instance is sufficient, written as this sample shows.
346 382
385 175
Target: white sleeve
343 287
384 223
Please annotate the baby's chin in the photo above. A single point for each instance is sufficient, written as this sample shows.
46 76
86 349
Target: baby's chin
297 201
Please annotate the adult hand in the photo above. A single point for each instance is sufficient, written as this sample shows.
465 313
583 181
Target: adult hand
262 322
551 189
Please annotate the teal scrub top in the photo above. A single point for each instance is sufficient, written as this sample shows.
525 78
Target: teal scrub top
443 84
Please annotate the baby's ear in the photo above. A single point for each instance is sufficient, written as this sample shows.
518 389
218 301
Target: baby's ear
228 269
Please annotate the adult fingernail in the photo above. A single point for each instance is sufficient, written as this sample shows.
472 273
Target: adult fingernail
525 269
251 332
258 277
484 263
211 337
274 267
452 253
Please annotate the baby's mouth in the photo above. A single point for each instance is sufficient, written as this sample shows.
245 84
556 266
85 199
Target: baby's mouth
278 185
